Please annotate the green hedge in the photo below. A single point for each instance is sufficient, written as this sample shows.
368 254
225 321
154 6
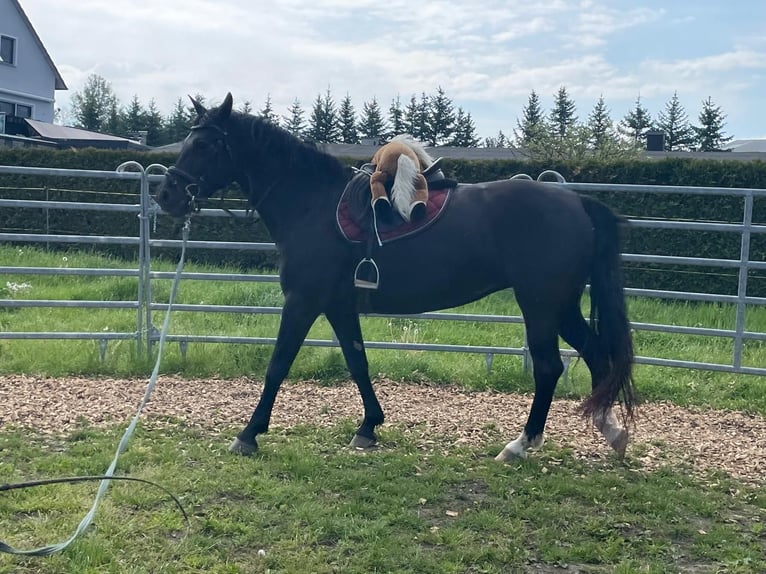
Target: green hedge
683 172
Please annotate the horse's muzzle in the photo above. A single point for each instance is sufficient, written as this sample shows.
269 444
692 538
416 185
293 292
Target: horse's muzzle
173 199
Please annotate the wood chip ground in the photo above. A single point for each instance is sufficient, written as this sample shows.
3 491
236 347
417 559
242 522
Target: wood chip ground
705 440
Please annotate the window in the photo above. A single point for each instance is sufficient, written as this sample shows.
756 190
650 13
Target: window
7 50
23 111
18 110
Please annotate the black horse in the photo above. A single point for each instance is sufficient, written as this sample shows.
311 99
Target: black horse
540 239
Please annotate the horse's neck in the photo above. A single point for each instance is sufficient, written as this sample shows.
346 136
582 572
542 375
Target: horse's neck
290 201
288 181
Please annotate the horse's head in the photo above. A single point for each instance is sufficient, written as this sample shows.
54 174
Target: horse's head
204 164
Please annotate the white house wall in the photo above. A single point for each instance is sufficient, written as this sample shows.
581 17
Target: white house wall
30 81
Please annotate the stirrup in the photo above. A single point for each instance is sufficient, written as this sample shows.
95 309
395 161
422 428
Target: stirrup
366 274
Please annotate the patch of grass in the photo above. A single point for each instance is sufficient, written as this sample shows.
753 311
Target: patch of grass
313 505
58 358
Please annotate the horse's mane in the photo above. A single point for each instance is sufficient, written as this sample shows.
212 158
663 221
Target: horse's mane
290 154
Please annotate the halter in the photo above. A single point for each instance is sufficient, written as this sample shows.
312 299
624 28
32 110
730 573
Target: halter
194 184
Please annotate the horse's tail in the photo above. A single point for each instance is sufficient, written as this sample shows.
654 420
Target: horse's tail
609 317
403 190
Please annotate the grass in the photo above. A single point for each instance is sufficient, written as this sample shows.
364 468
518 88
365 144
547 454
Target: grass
313 505
56 358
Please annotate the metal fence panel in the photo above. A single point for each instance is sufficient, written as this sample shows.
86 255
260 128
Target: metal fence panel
146 335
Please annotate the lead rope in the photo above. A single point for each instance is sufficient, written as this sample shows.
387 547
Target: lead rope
108 475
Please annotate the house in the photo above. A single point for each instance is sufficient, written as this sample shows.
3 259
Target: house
28 77
743 146
64 137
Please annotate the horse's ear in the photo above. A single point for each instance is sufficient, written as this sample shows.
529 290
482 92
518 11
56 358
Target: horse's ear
225 110
199 108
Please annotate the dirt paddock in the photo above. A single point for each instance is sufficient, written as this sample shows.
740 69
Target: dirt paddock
703 439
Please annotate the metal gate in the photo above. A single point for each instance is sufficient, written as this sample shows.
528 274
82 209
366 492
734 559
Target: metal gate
145 335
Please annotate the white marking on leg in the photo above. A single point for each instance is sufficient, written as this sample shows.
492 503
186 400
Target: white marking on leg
614 433
518 448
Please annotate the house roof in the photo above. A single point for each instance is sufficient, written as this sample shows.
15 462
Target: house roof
751 145
60 85
64 133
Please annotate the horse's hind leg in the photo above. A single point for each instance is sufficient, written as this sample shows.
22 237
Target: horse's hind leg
345 323
542 336
576 332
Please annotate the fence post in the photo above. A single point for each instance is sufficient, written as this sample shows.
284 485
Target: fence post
744 258
143 249
150 208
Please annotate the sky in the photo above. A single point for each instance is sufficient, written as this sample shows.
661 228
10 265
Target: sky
487 56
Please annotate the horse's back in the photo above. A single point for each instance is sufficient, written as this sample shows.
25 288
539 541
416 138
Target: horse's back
539 230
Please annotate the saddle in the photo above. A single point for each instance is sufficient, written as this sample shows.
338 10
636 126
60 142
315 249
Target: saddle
395 227
371 232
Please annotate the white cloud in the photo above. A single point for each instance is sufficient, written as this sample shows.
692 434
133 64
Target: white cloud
487 55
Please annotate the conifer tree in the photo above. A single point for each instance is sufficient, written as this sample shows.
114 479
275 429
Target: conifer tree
349 133
709 134
135 119
268 113
294 122
674 123
323 122
396 123
155 127
600 125
562 117
441 118
636 123
410 118
177 125
532 123
371 123
465 130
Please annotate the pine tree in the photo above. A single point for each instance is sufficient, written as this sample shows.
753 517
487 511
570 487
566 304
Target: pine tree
532 122
423 130
155 127
674 123
372 124
268 113
410 118
246 107
465 130
709 134
349 133
396 122
562 117
115 120
177 125
599 125
636 123
323 122
441 118
92 106
135 118
294 122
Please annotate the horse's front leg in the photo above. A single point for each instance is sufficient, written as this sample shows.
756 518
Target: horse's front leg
297 317
345 322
